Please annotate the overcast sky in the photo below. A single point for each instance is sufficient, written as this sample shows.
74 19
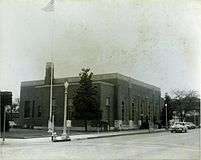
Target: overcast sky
155 41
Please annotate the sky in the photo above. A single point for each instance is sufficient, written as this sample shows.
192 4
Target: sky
155 41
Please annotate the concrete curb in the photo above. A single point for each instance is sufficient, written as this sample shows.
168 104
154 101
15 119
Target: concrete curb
115 135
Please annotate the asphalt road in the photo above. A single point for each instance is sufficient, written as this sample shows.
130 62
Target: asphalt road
164 145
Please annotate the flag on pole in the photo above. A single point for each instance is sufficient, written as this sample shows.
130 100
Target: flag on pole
49 7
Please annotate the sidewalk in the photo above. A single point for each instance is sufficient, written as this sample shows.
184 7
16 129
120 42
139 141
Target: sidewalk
84 136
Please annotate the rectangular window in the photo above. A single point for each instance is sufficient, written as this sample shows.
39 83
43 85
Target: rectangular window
54 102
39 111
70 108
70 114
133 111
33 109
122 111
107 101
27 109
54 105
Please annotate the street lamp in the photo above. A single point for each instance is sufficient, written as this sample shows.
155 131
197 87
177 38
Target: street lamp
65 110
166 120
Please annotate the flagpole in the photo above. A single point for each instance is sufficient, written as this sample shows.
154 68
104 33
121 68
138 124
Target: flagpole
51 79
52 68
50 8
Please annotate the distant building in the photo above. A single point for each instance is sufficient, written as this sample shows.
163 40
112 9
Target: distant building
119 97
5 99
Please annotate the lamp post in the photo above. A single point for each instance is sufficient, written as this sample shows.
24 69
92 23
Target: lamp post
65 110
166 120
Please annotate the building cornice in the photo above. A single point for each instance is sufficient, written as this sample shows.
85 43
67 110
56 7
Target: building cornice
97 78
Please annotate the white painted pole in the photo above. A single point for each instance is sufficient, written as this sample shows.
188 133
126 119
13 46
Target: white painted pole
50 116
50 7
52 126
65 109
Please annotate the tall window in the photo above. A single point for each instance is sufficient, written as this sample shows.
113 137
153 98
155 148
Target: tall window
70 108
107 101
107 104
133 111
54 104
69 112
141 109
27 109
33 109
39 111
122 110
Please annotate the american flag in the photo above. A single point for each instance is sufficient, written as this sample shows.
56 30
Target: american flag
50 6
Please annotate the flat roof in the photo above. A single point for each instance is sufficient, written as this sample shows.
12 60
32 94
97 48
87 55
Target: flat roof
97 77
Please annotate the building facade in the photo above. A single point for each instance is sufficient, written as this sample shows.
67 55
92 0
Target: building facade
119 97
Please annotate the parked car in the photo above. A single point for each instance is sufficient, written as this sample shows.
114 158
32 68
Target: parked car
178 127
190 125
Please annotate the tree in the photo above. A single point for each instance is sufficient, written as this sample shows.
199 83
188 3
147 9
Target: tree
14 108
185 101
85 103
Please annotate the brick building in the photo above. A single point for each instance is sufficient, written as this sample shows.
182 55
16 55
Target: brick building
119 97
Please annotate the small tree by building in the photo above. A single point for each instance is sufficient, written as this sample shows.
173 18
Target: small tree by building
84 102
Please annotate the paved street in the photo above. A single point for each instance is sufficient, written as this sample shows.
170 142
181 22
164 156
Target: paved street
162 145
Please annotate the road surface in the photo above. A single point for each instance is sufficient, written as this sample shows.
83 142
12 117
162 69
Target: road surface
163 145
